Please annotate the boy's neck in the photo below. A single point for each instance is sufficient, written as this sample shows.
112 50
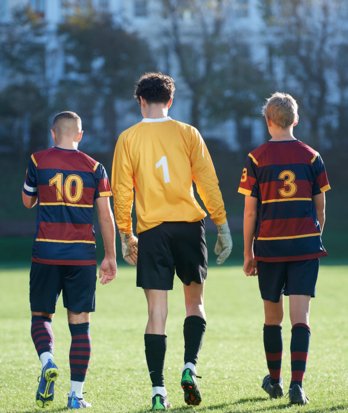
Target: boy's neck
67 145
155 111
279 134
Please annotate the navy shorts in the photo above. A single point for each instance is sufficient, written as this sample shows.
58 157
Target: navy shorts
78 284
168 248
289 278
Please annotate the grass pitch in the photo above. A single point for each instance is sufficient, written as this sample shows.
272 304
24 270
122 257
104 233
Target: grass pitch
231 362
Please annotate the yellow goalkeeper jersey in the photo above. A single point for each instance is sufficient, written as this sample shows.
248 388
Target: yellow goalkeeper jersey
160 159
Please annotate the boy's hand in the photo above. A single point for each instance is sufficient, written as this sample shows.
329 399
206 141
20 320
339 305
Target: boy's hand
224 243
107 270
129 244
250 266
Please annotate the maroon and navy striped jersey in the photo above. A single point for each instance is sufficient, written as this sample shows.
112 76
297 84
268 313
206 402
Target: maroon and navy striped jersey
284 176
67 183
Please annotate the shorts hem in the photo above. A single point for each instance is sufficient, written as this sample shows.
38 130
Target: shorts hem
155 288
43 311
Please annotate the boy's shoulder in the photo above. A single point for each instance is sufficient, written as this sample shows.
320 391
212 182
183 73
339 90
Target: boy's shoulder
57 158
283 152
181 127
88 160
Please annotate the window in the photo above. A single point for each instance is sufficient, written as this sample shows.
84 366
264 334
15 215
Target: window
104 5
140 8
38 6
241 8
3 9
70 7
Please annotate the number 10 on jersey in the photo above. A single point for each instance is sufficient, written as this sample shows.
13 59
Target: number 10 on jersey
163 163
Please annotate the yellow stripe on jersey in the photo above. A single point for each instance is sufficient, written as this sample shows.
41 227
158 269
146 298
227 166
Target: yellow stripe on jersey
325 188
253 158
65 242
314 158
316 234
66 204
34 160
244 191
95 166
107 193
286 200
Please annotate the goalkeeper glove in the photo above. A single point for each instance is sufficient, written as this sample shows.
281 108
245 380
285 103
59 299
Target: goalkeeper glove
129 244
223 246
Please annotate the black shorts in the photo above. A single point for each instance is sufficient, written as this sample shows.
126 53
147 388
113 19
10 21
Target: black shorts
78 284
289 278
168 248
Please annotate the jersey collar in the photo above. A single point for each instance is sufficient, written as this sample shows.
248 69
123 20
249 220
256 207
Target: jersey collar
157 120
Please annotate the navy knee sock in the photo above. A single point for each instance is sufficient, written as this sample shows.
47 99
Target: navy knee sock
80 351
300 335
273 343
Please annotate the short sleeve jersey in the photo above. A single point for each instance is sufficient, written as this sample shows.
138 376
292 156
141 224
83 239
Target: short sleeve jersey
67 183
284 176
160 159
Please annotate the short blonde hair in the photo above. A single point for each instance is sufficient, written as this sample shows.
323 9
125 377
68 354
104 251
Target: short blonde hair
282 109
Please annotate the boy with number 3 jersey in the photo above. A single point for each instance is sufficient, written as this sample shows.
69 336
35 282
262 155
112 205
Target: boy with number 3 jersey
161 158
284 182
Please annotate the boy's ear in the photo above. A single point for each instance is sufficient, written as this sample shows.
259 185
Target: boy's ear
53 134
169 103
142 101
296 121
79 136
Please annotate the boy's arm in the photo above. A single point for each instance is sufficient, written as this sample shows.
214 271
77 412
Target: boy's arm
204 176
250 214
122 188
108 267
319 202
29 201
29 191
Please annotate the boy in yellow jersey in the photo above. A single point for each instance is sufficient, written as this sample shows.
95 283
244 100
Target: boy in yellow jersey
160 158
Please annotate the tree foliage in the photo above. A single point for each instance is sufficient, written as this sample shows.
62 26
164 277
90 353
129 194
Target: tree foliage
24 100
305 43
102 62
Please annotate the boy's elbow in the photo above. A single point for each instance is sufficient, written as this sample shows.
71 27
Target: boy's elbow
250 215
28 201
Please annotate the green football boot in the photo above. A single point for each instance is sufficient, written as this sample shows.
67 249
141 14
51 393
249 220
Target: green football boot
160 403
192 395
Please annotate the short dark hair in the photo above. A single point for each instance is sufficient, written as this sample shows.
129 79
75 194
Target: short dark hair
154 88
66 115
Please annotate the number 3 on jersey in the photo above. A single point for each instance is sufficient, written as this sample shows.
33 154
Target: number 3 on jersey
290 188
164 164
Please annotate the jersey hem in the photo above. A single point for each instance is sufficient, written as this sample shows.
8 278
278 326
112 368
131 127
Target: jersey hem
292 258
63 262
139 231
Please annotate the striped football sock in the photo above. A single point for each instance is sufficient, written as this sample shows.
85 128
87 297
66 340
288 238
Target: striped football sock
300 335
80 351
42 335
273 343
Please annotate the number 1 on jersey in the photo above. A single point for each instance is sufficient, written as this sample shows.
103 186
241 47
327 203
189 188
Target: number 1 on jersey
164 164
